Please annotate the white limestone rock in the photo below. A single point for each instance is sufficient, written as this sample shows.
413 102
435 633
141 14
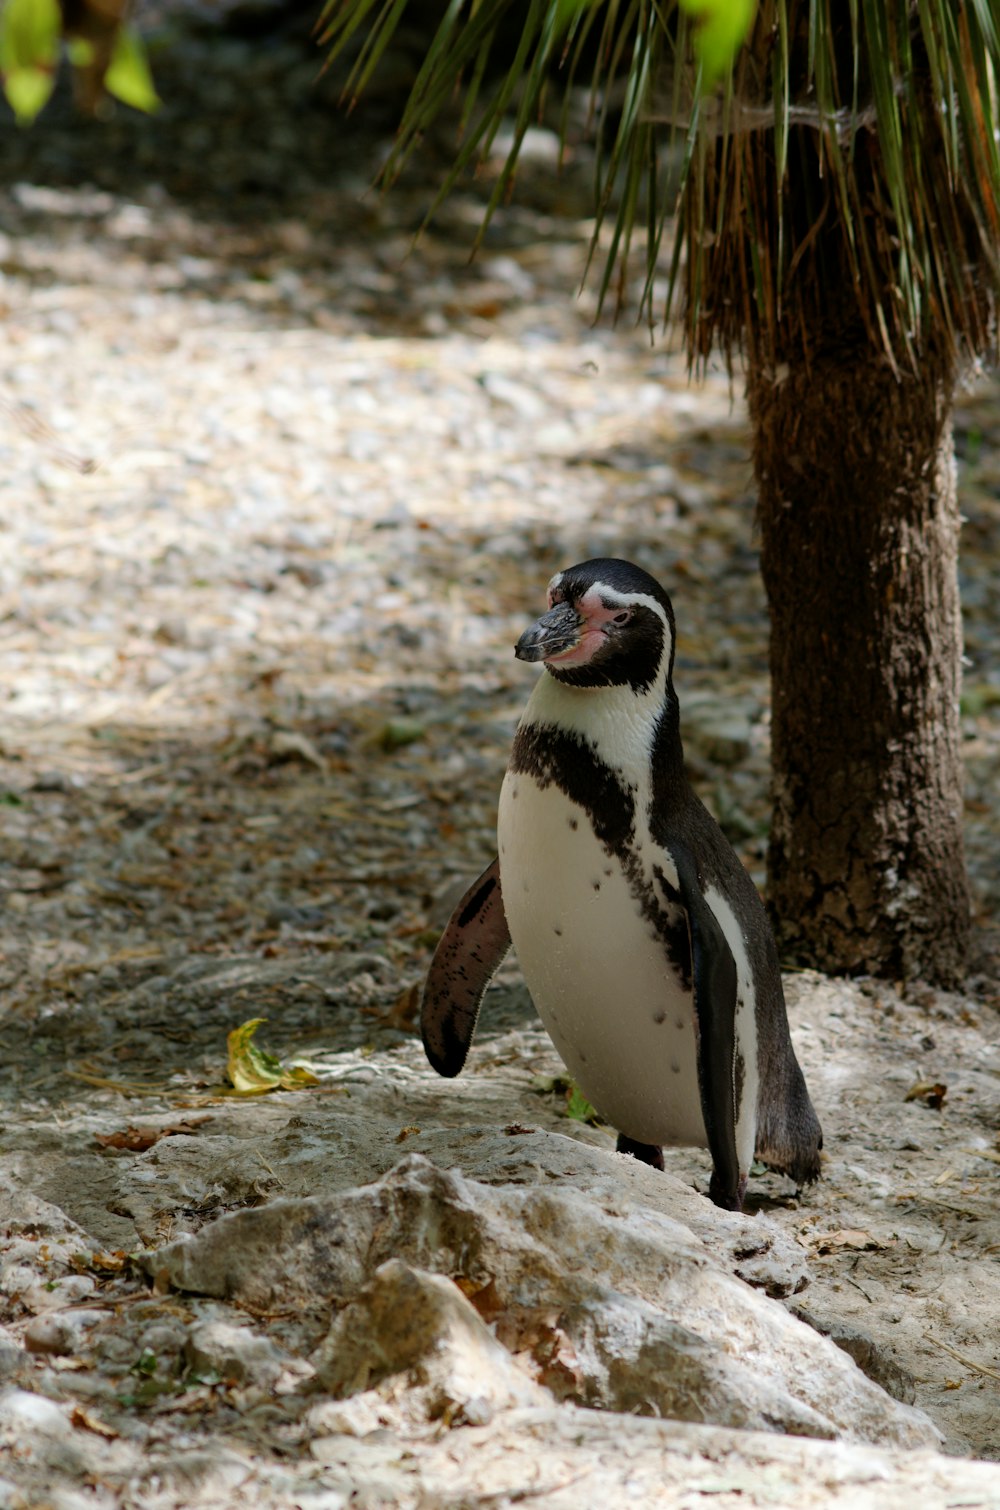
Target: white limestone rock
410 1323
610 1302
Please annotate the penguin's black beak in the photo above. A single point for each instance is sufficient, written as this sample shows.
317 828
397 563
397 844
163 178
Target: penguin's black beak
554 632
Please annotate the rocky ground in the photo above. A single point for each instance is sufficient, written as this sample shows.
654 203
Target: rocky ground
280 493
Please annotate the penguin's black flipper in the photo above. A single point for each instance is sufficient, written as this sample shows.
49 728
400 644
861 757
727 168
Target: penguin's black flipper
469 953
715 985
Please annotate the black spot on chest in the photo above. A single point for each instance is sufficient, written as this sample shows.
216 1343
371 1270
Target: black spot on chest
554 757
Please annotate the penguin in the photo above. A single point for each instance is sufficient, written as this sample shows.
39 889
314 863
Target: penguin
642 938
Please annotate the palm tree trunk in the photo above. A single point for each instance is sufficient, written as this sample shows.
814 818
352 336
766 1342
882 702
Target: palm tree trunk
859 545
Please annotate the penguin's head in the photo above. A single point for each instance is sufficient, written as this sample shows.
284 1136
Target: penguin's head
609 624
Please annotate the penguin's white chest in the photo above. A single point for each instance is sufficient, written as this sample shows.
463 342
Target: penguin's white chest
599 973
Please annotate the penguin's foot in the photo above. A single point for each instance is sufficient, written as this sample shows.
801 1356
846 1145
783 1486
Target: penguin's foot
646 1153
728 1199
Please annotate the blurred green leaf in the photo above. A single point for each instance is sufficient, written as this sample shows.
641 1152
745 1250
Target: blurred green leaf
978 699
397 732
722 28
29 51
27 90
80 51
577 1105
551 1085
150 1390
128 77
569 10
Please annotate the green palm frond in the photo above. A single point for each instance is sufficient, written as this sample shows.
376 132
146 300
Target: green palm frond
846 169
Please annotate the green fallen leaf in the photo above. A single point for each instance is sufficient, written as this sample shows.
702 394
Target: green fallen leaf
398 732
252 1071
150 1390
579 1108
128 77
29 54
722 27
577 1105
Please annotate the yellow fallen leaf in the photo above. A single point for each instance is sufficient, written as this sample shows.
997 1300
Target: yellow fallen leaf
295 1076
253 1072
249 1068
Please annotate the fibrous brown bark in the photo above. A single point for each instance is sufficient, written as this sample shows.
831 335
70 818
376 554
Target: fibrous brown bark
859 542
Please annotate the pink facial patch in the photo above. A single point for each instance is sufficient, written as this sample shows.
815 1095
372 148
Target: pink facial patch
593 635
584 650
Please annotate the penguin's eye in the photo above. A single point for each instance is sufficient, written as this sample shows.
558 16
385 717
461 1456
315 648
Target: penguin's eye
623 617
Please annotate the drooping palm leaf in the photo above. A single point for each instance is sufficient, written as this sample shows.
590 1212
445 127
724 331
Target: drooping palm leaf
107 55
853 146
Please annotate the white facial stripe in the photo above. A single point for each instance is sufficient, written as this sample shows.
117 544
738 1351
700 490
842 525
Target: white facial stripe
600 590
